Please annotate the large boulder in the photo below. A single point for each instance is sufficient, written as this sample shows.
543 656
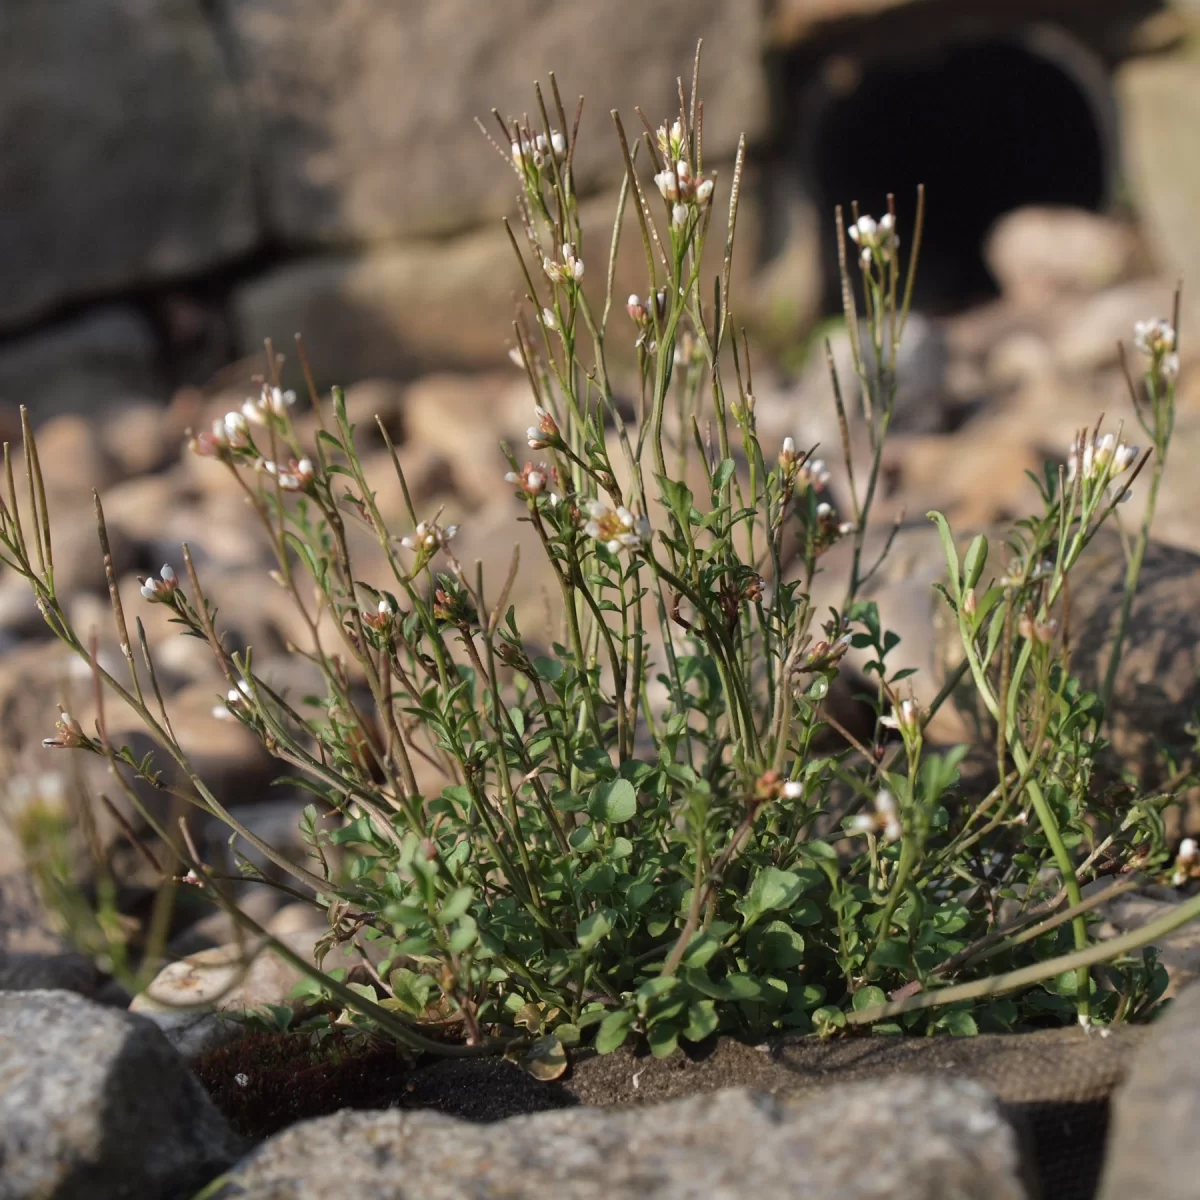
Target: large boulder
365 109
124 157
97 1106
1153 1153
902 1139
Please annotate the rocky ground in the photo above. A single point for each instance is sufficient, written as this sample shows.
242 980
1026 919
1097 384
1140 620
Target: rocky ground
984 396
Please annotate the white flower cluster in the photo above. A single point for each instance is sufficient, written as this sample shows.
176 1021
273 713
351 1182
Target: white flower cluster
1099 454
533 151
273 402
670 141
295 477
1156 340
231 432
159 589
570 270
530 479
682 191
885 819
875 239
905 716
617 528
428 537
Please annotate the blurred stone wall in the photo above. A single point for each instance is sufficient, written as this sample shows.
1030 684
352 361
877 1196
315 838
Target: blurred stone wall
181 178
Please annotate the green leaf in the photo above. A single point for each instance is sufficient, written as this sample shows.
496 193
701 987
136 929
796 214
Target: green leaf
869 997
701 949
958 1024
614 801
455 905
465 934
778 945
663 1039
723 474
598 878
613 1031
951 553
359 830
828 1020
677 496
975 560
891 953
593 929
702 1020
771 890
582 839
567 801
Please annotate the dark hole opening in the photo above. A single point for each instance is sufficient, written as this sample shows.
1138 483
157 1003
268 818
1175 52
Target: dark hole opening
987 127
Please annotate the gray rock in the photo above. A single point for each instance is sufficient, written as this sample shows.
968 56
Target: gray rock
97 1106
124 161
30 972
83 365
1153 1153
196 1032
1038 252
903 1139
1160 107
361 138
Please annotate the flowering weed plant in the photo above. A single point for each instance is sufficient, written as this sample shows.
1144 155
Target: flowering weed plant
651 825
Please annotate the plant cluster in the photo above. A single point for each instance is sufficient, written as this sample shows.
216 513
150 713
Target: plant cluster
651 824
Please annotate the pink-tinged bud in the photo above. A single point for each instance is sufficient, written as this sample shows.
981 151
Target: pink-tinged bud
704 191
969 603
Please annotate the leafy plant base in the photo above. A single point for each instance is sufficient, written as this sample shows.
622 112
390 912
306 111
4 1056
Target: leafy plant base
1054 1083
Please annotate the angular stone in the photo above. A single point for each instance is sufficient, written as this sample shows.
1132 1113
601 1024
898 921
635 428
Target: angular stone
367 109
96 1104
1153 1153
129 107
1037 252
903 1139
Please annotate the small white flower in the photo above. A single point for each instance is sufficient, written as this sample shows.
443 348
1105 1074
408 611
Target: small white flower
679 215
235 699
668 185
272 402
1154 337
704 191
793 790
863 231
1188 851
549 319
236 430
558 145
1123 458
158 589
